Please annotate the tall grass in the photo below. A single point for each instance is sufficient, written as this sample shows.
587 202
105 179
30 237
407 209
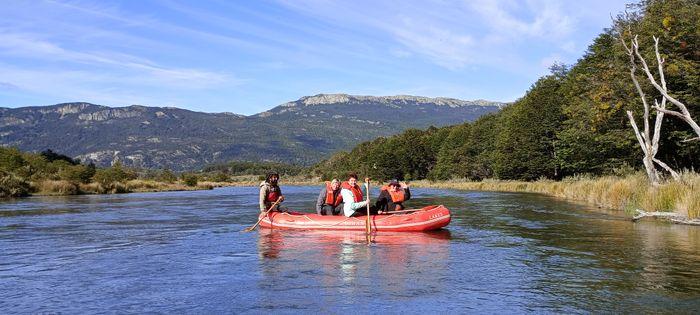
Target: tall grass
55 187
627 193
153 186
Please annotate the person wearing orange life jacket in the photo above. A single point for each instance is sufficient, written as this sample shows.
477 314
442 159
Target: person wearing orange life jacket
353 200
330 201
392 196
270 192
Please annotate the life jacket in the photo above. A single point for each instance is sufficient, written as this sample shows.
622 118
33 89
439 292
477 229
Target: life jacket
396 196
356 191
273 194
332 198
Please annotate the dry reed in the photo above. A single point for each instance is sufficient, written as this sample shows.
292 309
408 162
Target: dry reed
625 193
55 187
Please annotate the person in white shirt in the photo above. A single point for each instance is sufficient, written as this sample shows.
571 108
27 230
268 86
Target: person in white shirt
353 199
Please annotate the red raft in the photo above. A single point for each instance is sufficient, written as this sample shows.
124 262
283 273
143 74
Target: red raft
424 219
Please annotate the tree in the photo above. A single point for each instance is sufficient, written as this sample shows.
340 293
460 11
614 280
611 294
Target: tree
649 142
683 112
526 145
51 156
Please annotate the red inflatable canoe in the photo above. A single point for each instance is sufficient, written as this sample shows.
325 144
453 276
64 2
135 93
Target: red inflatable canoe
424 219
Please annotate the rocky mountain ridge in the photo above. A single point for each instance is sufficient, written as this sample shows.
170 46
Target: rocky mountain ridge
299 132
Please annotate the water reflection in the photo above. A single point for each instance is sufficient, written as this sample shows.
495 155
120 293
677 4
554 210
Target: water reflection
398 264
183 252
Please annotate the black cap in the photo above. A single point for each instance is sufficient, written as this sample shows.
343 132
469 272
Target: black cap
394 182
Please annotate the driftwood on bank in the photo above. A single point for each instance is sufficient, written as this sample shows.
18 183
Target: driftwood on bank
667 216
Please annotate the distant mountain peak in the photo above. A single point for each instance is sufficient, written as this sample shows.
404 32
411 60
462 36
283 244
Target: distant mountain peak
324 99
303 131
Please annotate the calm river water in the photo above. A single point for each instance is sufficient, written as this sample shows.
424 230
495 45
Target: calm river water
183 252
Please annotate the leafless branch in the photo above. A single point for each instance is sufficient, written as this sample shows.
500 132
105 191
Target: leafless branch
665 166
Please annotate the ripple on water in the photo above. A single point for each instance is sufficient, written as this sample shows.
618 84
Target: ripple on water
183 252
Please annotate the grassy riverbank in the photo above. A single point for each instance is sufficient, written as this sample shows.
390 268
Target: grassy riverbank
251 180
625 193
65 188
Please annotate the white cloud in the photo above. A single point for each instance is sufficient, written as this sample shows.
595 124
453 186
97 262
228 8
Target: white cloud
452 35
549 19
8 86
27 46
446 48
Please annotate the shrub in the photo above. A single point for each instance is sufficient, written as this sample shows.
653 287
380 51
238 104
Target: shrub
12 185
219 177
113 174
10 159
78 173
166 176
190 179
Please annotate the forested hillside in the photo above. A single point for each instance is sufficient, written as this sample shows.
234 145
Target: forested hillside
301 132
572 121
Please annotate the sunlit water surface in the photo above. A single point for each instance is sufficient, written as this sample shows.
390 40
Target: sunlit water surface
183 252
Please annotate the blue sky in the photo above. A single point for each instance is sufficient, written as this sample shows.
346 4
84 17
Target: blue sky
248 56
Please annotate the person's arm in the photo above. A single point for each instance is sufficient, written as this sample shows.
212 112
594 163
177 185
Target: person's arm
382 200
321 200
349 206
263 195
407 194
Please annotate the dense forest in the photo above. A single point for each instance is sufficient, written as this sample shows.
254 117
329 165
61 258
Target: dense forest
570 122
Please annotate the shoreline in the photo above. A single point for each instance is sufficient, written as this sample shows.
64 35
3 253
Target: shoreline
676 202
67 188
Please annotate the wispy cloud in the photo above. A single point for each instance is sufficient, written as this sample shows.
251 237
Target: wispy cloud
452 34
8 86
262 53
29 46
547 20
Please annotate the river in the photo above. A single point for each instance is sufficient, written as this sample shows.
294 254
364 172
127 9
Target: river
184 252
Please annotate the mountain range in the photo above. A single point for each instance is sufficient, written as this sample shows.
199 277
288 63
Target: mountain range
301 132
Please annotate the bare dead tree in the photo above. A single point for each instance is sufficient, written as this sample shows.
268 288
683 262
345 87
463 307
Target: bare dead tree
683 114
648 142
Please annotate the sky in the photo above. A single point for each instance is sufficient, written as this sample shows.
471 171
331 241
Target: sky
248 56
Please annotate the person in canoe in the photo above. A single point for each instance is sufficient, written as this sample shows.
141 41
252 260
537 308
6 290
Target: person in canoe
329 201
392 196
270 192
353 202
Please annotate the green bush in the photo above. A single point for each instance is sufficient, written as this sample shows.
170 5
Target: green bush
114 174
10 159
78 173
190 179
219 177
166 176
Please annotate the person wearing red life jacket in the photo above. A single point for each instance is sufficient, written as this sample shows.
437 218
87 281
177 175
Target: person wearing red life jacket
392 197
353 199
330 201
270 192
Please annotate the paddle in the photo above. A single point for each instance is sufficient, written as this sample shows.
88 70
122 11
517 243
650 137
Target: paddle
262 217
368 225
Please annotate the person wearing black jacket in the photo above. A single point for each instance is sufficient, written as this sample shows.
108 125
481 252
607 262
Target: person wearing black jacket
392 197
329 201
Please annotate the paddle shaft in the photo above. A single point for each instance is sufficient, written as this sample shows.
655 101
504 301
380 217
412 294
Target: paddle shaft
262 217
369 224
